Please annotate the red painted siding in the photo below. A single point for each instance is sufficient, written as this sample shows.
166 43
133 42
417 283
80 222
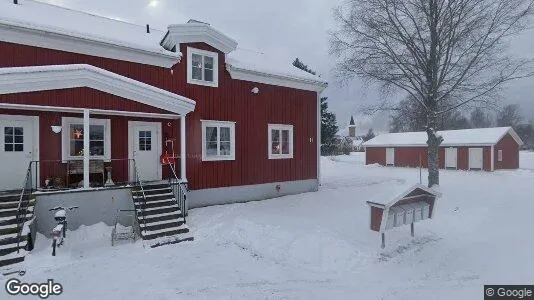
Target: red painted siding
375 156
376 218
412 157
231 101
510 153
50 143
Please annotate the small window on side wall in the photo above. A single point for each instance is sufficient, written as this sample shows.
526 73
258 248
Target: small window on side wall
218 140
202 67
499 155
280 141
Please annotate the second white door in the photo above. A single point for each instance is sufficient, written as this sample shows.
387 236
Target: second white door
390 156
475 159
145 143
451 158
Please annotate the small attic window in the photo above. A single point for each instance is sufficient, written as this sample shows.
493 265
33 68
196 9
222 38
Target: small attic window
202 67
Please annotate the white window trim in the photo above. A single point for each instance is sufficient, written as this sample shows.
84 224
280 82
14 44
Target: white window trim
499 155
211 123
214 55
65 138
271 127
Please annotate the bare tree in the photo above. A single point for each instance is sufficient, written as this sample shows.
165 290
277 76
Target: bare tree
411 116
432 50
408 116
480 119
510 115
453 120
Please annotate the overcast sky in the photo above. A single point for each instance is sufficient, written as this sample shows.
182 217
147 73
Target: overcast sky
286 29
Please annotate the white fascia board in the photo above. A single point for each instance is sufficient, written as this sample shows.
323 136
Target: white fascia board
425 145
29 79
408 191
92 111
18 34
514 135
278 80
198 33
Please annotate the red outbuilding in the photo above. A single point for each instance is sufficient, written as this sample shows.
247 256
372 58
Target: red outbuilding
485 149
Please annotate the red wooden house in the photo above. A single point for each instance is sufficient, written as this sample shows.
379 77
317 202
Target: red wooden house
485 149
237 125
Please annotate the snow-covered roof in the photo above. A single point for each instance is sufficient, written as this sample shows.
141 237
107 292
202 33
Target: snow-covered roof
49 26
462 137
390 194
260 63
38 78
50 18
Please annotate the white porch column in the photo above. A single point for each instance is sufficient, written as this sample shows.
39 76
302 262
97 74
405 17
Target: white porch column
183 175
86 154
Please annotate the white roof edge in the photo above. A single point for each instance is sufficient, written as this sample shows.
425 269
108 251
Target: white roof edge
514 135
39 78
198 33
275 79
399 195
26 34
425 145
452 138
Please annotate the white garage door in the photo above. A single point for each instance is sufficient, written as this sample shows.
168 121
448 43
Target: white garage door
475 159
451 158
390 156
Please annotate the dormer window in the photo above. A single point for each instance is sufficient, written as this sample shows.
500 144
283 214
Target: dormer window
202 67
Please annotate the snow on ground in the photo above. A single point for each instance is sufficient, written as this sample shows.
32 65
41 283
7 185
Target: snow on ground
317 245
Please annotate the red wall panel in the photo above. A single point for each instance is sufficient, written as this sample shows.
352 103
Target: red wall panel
510 153
412 156
231 101
375 156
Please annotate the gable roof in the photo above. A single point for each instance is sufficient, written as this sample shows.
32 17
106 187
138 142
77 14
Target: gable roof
392 193
54 27
462 137
66 29
41 78
197 32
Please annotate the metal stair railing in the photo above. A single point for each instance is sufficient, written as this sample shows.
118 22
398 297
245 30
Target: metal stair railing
138 185
179 190
24 202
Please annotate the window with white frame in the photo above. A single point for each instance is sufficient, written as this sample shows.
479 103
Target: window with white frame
218 140
73 135
499 155
202 67
280 141
13 139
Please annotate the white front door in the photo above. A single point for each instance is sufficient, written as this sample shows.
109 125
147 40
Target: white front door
451 158
390 156
145 144
475 159
16 149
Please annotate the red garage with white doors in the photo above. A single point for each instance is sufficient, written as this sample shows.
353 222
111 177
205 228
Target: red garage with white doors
485 149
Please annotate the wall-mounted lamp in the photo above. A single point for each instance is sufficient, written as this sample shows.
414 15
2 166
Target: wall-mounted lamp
56 129
255 90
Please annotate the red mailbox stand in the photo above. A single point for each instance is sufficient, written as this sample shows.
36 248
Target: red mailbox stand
400 205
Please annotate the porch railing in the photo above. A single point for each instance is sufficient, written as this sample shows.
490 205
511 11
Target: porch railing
179 189
57 175
140 189
24 203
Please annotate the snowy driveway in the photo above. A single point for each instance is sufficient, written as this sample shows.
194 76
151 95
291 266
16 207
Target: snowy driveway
318 245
